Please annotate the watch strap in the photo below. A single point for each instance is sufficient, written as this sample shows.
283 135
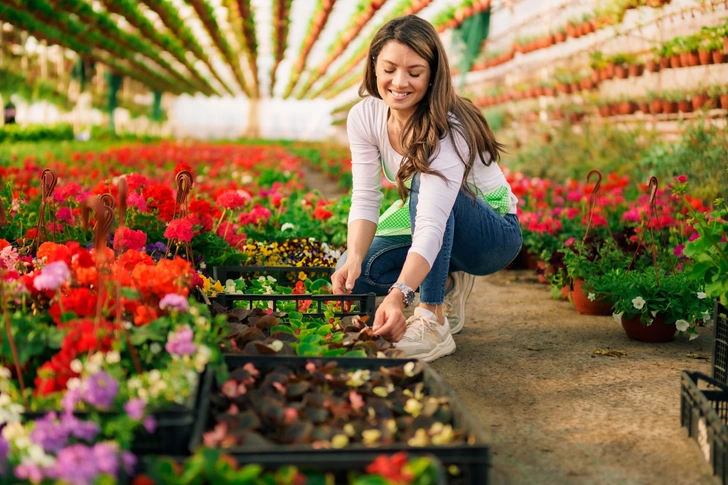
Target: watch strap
408 294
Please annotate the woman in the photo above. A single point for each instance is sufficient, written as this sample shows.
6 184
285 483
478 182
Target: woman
439 149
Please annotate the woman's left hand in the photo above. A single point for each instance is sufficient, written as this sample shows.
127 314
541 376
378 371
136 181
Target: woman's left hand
389 321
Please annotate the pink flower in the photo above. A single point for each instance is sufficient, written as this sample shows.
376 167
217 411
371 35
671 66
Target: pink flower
678 251
126 238
179 229
52 276
233 199
137 201
72 190
173 301
64 214
694 236
681 179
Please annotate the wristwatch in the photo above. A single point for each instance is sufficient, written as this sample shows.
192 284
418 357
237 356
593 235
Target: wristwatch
408 295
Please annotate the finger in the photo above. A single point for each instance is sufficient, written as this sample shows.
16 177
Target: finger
337 283
385 328
351 279
378 321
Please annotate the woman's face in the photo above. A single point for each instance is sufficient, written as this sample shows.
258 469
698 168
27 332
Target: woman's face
402 77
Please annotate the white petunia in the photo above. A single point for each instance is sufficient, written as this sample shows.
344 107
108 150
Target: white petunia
617 317
682 325
638 302
693 336
701 295
287 226
592 297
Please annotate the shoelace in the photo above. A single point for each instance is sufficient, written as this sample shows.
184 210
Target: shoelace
417 327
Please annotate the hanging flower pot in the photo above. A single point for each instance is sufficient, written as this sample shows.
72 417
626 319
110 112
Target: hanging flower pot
684 106
563 88
621 72
656 106
636 70
675 61
706 57
657 332
700 100
644 106
559 37
586 305
685 59
664 62
669 107
717 56
693 59
604 110
652 66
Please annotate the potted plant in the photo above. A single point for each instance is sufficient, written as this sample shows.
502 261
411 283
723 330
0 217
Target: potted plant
636 66
652 304
701 99
684 102
560 34
669 101
655 102
719 94
653 62
620 65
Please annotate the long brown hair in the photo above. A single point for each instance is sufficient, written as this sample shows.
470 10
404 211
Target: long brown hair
430 123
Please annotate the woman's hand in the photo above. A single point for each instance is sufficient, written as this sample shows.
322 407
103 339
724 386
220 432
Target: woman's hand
343 279
389 321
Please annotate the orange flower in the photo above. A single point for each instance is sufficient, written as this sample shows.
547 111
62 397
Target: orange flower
51 252
144 314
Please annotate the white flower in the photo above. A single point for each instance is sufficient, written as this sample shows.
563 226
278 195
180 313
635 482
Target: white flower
707 317
693 336
638 302
701 295
203 265
39 457
155 348
682 325
5 372
287 226
617 317
73 383
592 297
113 357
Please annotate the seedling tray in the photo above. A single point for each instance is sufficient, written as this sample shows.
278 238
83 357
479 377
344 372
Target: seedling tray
704 413
361 304
224 273
720 347
175 424
473 459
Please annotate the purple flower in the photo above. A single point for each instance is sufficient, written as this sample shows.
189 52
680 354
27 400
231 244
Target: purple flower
49 433
4 451
29 471
180 342
129 461
76 465
82 430
52 276
150 424
106 456
69 400
100 389
173 301
135 408
678 251
694 236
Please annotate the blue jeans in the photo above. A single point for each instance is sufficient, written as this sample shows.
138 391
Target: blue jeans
477 240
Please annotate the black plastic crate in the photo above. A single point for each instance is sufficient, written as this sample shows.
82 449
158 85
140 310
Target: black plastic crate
280 273
175 424
720 347
339 468
704 413
362 305
472 459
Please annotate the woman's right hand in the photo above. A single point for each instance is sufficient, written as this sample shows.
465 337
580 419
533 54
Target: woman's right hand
344 278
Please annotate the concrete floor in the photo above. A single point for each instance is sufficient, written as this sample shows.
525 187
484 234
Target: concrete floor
557 413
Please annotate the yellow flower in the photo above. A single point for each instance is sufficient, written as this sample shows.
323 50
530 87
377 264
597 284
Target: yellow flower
302 276
217 288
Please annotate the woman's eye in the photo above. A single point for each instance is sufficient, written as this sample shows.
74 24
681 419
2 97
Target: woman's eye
388 72
415 75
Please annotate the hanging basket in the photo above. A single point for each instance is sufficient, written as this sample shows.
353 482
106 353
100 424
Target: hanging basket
584 305
657 332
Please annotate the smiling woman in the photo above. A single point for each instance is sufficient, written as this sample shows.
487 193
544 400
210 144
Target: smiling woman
460 217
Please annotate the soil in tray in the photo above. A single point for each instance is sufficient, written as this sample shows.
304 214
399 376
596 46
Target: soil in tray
326 406
257 332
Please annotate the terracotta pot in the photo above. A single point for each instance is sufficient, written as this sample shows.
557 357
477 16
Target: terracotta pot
548 91
574 87
724 101
626 108
604 111
706 57
563 88
584 305
644 106
675 62
725 45
717 57
652 66
621 72
693 59
700 100
559 37
657 332
542 271
664 62
685 59
656 106
636 70
684 106
610 70
669 107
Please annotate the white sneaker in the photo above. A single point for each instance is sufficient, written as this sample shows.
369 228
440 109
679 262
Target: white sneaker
425 338
456 298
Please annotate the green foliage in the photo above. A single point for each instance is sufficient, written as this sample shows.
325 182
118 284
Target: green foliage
22 133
